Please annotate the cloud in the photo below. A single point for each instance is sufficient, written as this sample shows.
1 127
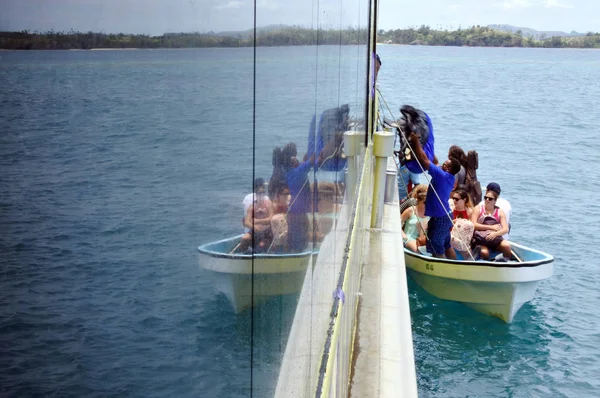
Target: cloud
556 4
231 4
269 4
514 4
510 4
454 7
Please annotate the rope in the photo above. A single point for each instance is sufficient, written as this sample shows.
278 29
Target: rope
427 177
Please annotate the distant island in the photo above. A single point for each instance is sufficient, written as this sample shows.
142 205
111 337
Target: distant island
475 36
488 36
536 34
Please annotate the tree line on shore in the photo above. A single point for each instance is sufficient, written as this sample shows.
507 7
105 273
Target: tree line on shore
483 36
289 36
476 36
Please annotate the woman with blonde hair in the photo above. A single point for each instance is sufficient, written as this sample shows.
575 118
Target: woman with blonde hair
414 221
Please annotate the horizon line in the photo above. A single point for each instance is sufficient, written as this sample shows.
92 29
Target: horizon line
438 28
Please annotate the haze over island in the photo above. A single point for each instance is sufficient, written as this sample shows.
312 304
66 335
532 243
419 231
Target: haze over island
156 17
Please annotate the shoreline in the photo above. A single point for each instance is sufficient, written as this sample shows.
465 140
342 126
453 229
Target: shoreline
300 45
107 49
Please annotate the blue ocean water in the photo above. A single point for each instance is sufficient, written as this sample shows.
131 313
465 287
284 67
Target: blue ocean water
116 165
532 116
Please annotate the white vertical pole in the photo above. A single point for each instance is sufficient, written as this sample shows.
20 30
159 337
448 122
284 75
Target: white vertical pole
383 147
353 148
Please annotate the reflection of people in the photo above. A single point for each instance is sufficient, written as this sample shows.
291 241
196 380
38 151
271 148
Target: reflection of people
376 62
490 224
414 221
279 226
301 197
325 138
251 197
278 176
327 209
258 219
436 203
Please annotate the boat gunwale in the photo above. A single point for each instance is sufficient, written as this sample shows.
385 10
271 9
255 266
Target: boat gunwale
203 250
486 263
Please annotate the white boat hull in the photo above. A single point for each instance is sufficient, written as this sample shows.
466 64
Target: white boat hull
496 289
248 280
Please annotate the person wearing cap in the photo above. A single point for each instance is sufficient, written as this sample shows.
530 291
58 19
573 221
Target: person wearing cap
257 218
501 203
251 197
436 201
490 225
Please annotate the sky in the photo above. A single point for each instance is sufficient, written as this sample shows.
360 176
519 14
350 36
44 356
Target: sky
156 17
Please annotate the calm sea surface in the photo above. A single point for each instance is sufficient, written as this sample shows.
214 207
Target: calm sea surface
116 165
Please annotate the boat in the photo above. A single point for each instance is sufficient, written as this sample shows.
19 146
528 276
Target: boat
249 279
494 288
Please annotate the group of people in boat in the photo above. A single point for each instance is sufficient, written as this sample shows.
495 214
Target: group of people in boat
276 215
443 216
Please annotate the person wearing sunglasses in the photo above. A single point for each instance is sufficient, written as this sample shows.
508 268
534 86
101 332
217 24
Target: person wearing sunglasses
462 232
501 203
461 205
490 224
436 202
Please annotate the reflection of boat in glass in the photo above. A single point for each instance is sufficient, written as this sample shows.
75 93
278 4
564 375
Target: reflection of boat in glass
494 288
248 279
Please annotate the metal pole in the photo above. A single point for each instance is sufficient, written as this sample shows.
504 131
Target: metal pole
353 148
383 147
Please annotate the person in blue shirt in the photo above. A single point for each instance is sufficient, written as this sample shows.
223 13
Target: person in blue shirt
436 202
302 199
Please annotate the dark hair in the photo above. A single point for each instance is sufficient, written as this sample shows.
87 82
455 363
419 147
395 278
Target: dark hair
495 187
454 165
456 152
278 176
277 157
342 123
287 153
258 183
494 193
281 187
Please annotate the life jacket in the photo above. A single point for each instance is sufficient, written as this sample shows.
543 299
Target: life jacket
472 185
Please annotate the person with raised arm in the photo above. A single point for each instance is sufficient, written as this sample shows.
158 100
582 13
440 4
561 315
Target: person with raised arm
436 202
302 199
